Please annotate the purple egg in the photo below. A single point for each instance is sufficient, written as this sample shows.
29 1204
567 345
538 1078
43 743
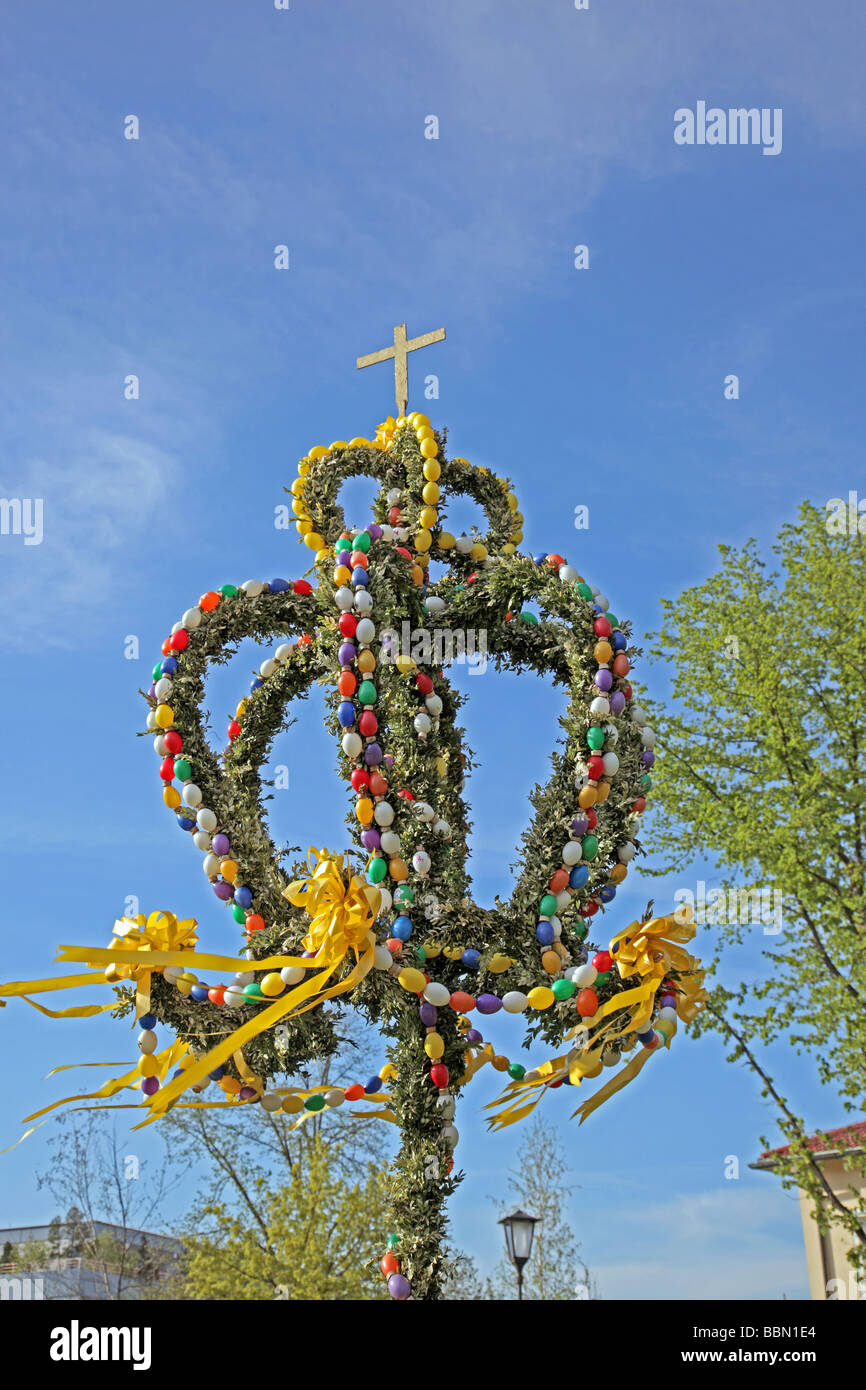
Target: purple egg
647 757
399 1286
307 954
668 1001
374 531
152 692
472 1035
603 679
347 653
223 890
372 754
220 844
617 702
370 838
150 1085
246 1092
488 1003
580 825
428 1014
389 760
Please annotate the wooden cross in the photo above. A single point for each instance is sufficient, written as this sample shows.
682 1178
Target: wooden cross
399 352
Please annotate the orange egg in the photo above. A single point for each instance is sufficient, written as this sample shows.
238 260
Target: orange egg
587 797
378 785
551 963
602 792
559 880
346 684
342 575
499 1063
618 873
364 809
621 664
397 869
366 661
602 651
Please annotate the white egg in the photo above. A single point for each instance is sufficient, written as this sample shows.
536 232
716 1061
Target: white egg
611 764
191 618
147 1040
334 1097
423 724
568 574
422 810
437 994
267 668
383 813
211 865
252 587
572 853
434 705
271 1102
293 974
626 852
390 843
344 598
638 714
351 744
648 737
206 819
150 722
394 497
365 631
421 863
201 840
585 975
159 746
284 651
382 958
191 794
514 1002
600 707
363 601
441 827
163 689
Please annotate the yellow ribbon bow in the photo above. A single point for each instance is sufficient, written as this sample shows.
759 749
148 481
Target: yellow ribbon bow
160 931
341 913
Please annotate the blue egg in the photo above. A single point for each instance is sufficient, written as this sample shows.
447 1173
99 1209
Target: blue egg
578 876
256 684
243 896
178 1071
346 713
147 1021
539 559
373 1086
544 932
471 958
185 823
608 893
199 993
402 928
278 586
215 1075
169 666
360 576
618 640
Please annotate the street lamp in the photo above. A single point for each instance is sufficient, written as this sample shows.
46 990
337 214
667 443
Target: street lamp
519 1230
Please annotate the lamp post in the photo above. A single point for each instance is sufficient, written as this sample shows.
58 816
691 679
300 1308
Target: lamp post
519 1229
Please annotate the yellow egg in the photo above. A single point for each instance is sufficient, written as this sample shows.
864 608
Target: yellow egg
318 452
428 517
303 468
412 980
364 810
339 444
297 487
508 549
164 716
441 767
300 509
618 873
292 1105
433 1045
171 797
404 664
517 537
418 420
303 528
423 541
446 540
499 1063
540 998
342 575
431 952
314 541
230 1085
359 442
586 797
417 575
388 1072
239 712
602 792
478 551
423 432
272 985
498 964
185 982
550 962
511 500
432 470
229 870
602 652
148 1066
429 448
430 492
453 952
366 661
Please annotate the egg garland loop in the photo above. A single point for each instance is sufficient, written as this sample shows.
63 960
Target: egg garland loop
414 710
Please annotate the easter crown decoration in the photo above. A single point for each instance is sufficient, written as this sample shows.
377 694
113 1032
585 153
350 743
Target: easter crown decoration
389 925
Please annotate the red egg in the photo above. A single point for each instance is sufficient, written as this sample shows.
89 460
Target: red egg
602 961
621 664
179 641
401 550
389 1264
394 515
166 646
360 778
255 922
639 804
217 994
368 723
461 1002
559 881
587 1003
302 586
378 785
602 627
595 768
234 729
395 945
166 769
627 691
590 908
439 1075
359 560
424 683
347 624
354 1092
173 741
591 818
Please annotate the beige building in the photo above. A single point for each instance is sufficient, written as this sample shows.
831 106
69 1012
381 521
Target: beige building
830 1274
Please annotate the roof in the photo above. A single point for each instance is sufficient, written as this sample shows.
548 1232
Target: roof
830 1144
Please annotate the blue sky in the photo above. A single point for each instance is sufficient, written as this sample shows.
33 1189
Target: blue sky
601 387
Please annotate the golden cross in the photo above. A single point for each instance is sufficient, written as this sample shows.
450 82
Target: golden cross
399 352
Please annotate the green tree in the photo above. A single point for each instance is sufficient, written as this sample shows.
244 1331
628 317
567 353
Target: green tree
285 1212
764 770
538 1185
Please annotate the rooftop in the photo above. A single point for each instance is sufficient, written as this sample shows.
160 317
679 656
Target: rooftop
832 1143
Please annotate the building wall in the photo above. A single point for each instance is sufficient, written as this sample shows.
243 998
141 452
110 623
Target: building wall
830 1274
